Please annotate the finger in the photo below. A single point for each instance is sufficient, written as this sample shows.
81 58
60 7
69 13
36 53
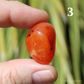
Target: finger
26 71
19 15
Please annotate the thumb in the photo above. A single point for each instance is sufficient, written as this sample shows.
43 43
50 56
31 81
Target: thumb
26 71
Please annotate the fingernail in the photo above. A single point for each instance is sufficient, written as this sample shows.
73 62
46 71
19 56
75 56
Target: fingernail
43 77
44 12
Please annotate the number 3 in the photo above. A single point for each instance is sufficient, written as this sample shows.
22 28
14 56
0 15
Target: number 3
71 13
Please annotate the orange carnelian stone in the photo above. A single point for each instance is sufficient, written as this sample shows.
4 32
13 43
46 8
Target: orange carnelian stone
40 42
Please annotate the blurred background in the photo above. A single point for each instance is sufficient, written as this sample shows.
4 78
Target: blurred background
67 17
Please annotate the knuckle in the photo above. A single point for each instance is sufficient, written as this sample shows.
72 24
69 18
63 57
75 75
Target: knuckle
10 76
6 77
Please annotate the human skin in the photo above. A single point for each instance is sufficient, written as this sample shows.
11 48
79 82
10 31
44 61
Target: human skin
23 71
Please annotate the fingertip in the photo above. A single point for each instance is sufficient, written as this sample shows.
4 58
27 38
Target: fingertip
25 16
30 71
20 15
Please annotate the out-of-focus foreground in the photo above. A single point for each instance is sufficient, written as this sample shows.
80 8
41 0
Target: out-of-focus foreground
67 17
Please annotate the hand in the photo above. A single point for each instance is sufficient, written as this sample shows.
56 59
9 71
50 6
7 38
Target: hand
23 71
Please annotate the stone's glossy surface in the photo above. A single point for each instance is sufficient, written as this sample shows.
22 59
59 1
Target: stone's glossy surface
40 42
